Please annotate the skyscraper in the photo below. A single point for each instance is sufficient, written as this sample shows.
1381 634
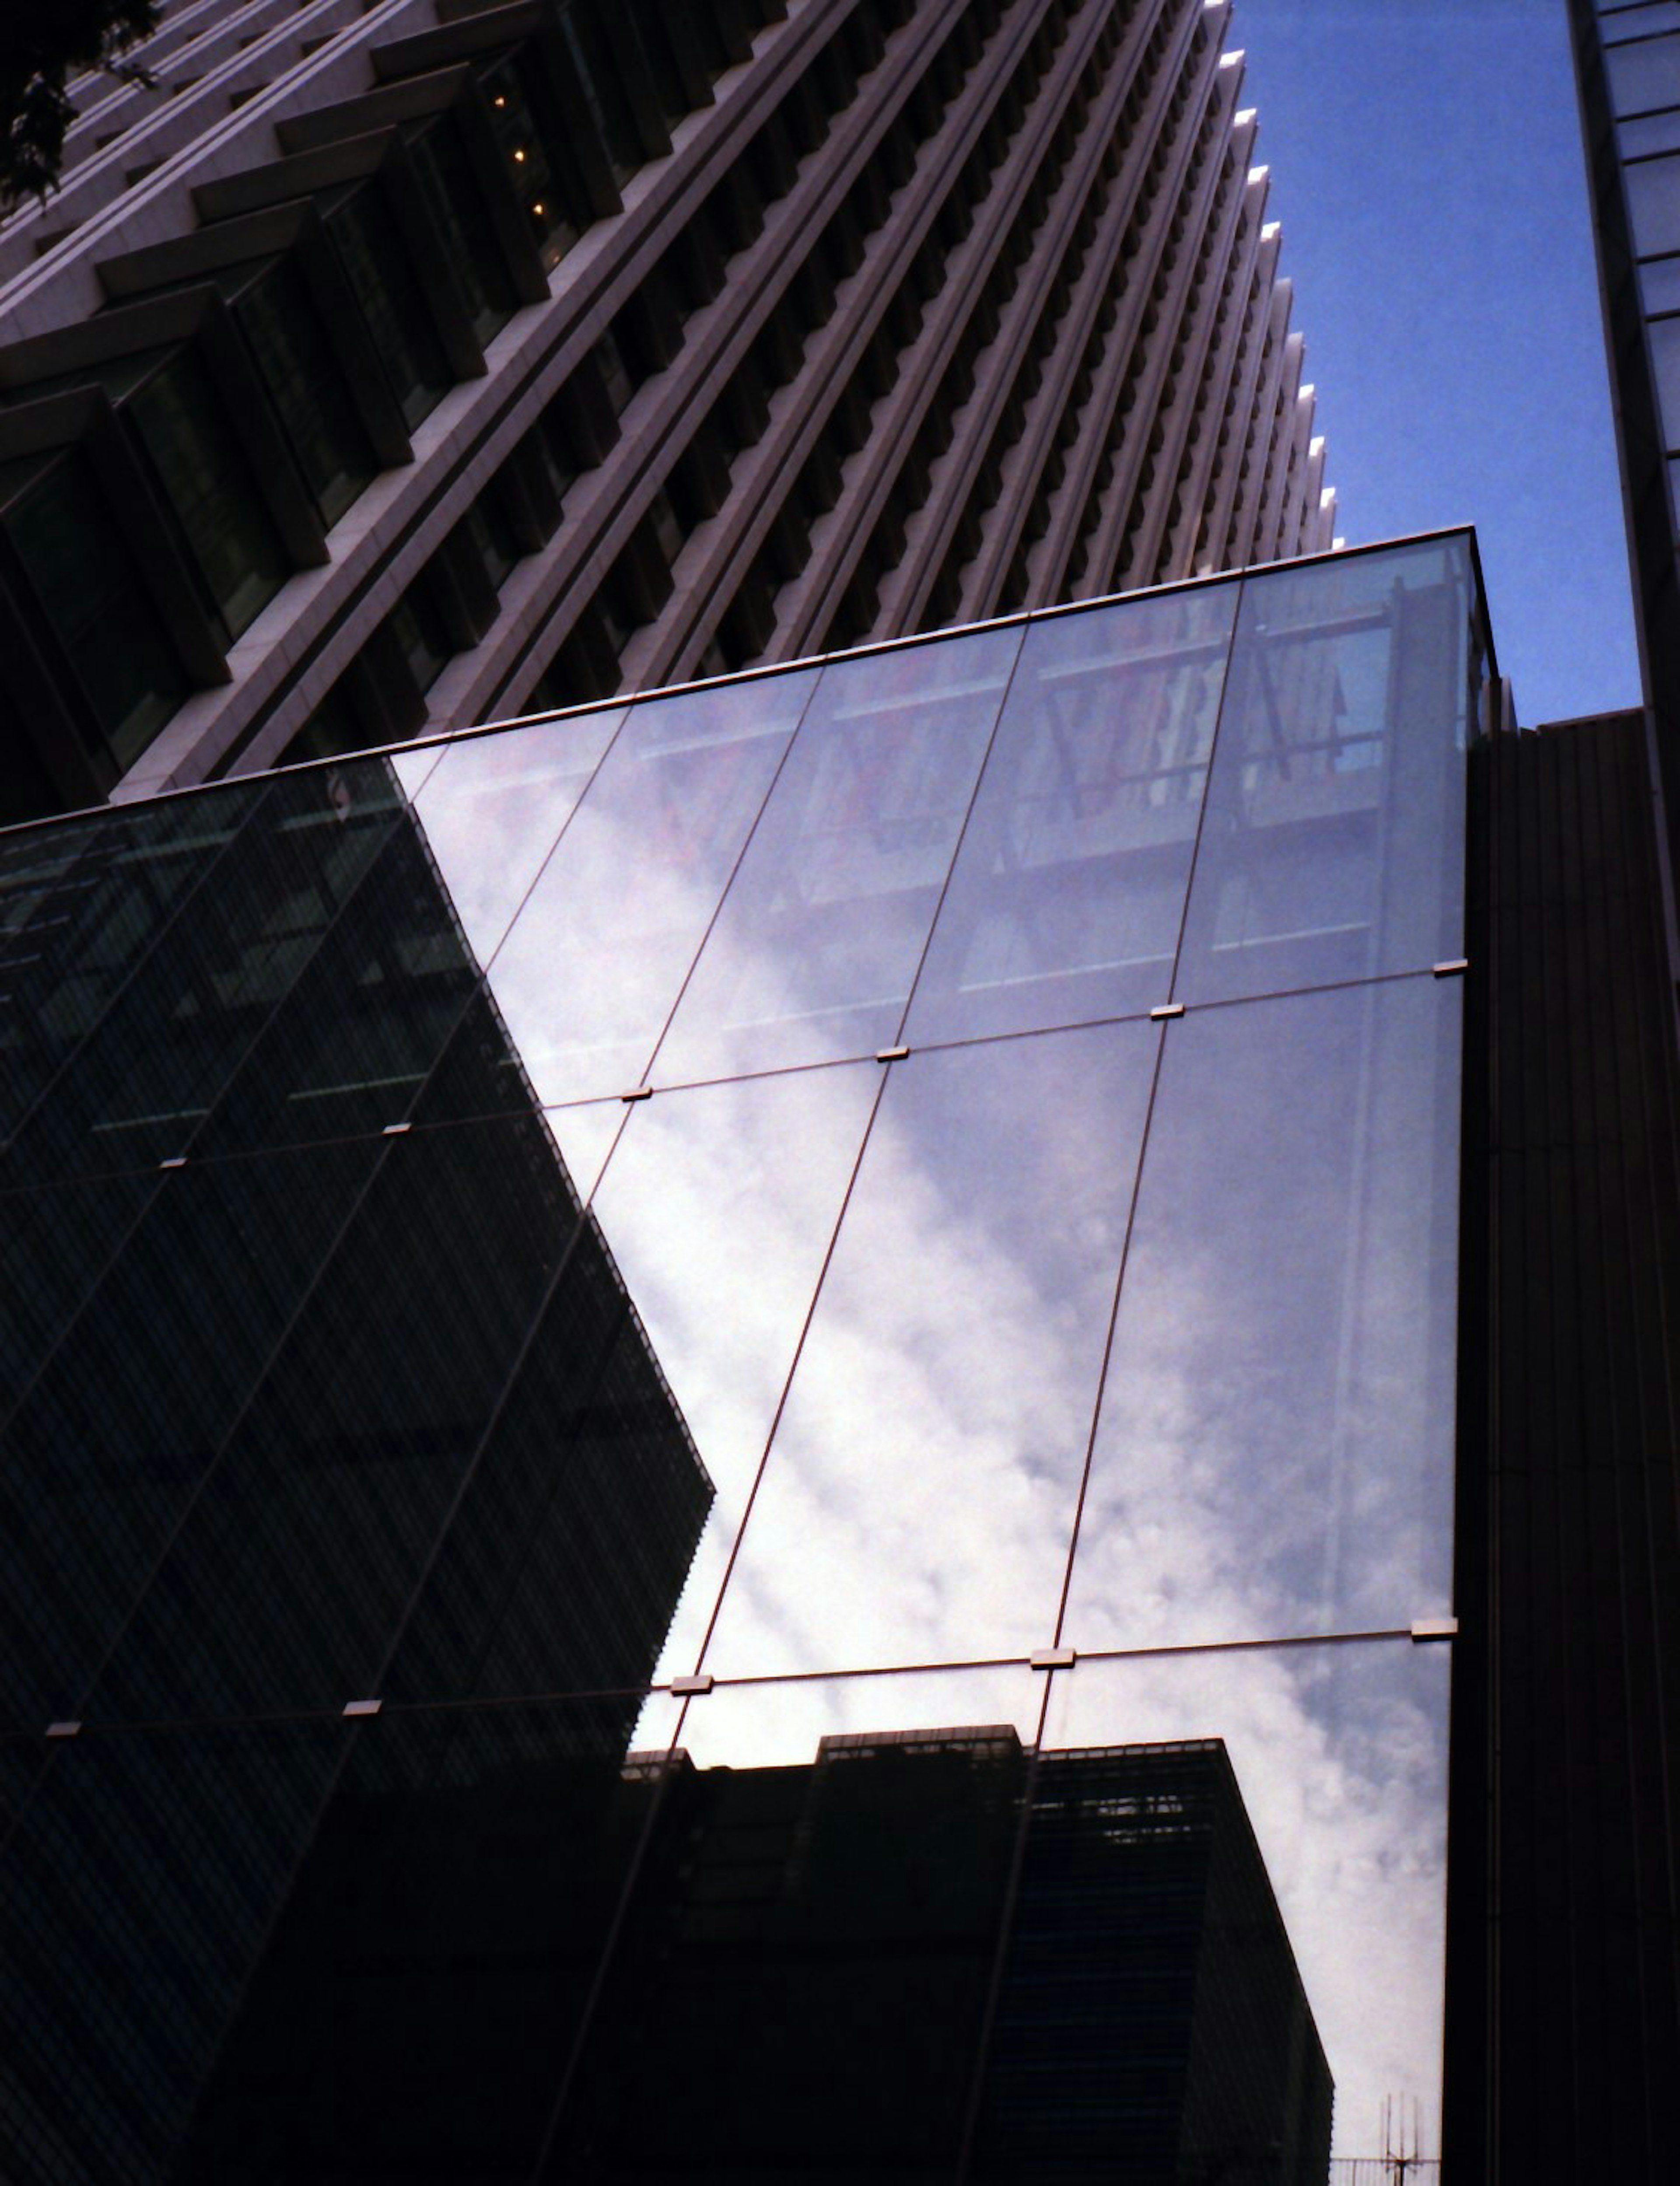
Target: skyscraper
377 370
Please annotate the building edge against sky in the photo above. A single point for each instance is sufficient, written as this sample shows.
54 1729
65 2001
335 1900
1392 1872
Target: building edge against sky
809 323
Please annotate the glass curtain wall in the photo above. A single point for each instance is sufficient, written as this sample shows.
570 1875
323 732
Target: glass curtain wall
730 1420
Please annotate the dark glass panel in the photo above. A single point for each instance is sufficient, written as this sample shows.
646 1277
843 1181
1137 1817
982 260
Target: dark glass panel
572 1532
345 1047
1640 22
275 864
81 903
90 584
1659 284
377 260
454 202
444 1285
527 131
813 1941
110 1446
1654 204
316 1949
1656 132
1644 76
1333 843
1068 892
292 352
195 453
1664 335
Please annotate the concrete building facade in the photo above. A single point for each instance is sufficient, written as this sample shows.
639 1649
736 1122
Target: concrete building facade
378 369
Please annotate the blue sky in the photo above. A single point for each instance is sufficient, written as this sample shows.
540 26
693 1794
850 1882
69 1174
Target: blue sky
1425 165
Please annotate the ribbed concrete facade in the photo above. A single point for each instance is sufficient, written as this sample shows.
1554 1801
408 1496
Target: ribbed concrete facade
374 373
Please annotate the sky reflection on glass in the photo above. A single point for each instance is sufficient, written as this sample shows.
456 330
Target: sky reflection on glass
719 1204
818 941
884 1295
1341 1754
1274 1450
586 977
918 1496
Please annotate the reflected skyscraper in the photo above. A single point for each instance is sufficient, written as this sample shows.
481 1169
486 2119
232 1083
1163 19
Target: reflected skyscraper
375 1416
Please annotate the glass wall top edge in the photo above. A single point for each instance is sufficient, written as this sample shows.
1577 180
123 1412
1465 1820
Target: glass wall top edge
759 674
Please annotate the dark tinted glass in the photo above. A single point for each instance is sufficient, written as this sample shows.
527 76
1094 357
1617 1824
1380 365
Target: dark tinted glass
291 350
380 271
185 430
90 585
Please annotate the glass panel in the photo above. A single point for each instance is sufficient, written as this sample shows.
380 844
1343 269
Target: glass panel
381 274
780 1722
493 808
1333 844
290 350
1644 76
812 1935
276 863
1659 284
195 452
586 978
459 1399
1068 892
1654 204
115 1434
81 903
310 1950
586 1135
525 128
455 203
1642 22
719 1205
369 977
1339 1756
90 586
818 942
918 1498
1274 1450
1664 335
1657 133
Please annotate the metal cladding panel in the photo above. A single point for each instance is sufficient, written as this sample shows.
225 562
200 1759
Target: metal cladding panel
1561 1928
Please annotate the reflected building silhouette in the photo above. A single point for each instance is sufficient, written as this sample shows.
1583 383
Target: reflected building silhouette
810 1961
369 1413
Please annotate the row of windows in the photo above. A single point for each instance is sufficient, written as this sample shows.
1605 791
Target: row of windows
927 279
947 596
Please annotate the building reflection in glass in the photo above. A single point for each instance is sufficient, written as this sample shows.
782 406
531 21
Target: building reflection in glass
1015 1078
